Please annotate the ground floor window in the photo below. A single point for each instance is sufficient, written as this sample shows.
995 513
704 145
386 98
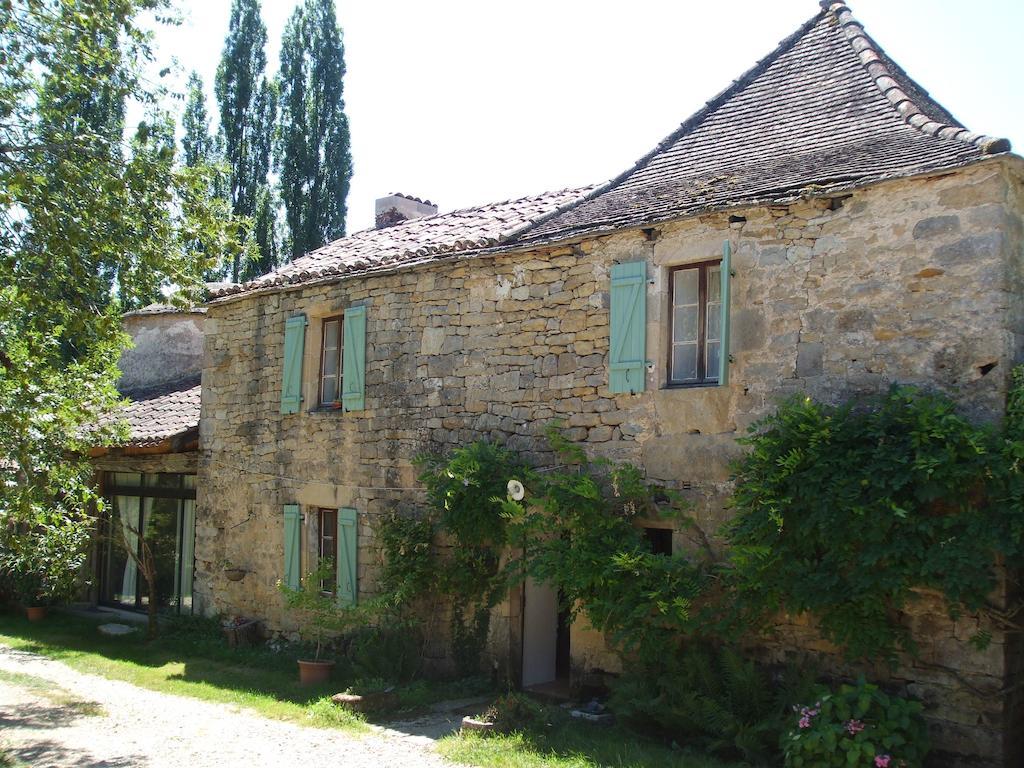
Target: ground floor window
329 548
158 511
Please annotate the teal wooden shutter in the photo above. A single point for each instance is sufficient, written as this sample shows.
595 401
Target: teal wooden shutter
348 541
723 353
291 379
353 360
292 546
628 349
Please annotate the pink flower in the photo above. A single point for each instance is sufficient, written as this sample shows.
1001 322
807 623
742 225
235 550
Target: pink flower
853 727
882 761
806 716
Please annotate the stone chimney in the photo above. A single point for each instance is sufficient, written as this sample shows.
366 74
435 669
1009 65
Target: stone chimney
396 208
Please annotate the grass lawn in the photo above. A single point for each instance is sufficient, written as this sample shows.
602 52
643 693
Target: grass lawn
566 743
190 658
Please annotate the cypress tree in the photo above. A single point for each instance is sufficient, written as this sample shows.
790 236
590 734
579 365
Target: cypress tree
197 144
313 153
248 106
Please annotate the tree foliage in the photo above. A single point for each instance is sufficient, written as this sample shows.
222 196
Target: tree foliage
90 223
313 154
248 108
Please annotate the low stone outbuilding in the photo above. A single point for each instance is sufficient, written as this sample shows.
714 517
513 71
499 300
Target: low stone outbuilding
149 481
872 239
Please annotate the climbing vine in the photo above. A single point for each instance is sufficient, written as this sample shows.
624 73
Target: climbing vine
842 512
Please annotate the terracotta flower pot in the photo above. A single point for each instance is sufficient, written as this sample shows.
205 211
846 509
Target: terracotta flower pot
313 672
35 612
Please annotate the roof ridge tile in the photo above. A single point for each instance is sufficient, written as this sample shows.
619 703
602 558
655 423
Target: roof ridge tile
874 60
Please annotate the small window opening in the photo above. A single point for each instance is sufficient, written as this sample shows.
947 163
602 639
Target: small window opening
660 540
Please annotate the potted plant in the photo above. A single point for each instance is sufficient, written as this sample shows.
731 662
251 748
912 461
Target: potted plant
323 614
42 571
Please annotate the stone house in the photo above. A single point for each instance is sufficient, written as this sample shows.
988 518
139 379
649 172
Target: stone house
821 226
150 481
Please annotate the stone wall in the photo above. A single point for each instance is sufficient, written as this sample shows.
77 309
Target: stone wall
917 281
166 347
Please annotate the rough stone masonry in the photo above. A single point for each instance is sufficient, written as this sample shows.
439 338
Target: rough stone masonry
917 280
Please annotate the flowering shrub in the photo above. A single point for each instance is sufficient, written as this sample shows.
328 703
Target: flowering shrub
857 726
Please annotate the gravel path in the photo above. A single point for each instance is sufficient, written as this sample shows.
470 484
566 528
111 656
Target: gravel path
133 726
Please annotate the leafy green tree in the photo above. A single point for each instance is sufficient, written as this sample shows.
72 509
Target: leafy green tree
248 109
90 223
313 154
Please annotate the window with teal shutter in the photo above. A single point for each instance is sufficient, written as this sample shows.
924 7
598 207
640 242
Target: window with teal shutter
627 356
726 278
353 369
292 546
291 378
348 545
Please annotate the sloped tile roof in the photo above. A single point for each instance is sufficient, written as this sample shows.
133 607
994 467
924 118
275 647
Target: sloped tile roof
158 414
411 242
826 109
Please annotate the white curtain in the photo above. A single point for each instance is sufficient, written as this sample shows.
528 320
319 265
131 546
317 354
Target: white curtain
128 513
188 559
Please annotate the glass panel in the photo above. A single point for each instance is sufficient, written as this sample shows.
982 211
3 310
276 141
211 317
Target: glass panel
122 574
684 326
712 361
330 362
331 328
329 546
163 480
130 479
330 390
686 286
161 527
714 321
189 481
684 362
714 283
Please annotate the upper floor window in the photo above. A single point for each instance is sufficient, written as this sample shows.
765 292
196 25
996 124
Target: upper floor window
330 361
695 339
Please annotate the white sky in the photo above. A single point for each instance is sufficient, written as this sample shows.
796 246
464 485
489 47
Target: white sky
467 101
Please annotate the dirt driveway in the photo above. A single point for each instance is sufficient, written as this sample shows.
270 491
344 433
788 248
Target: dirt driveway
52 716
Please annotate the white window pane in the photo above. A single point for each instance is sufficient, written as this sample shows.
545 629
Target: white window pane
331 329
684 327
330 362
686 286
714 321
714 283
684 362
330 389
712 361
128 479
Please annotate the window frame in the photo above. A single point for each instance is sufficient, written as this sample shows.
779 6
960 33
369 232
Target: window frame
320 537
321 403
703 379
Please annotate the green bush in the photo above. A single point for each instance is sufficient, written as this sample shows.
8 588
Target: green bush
712 697
515 712
389 652
856 726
